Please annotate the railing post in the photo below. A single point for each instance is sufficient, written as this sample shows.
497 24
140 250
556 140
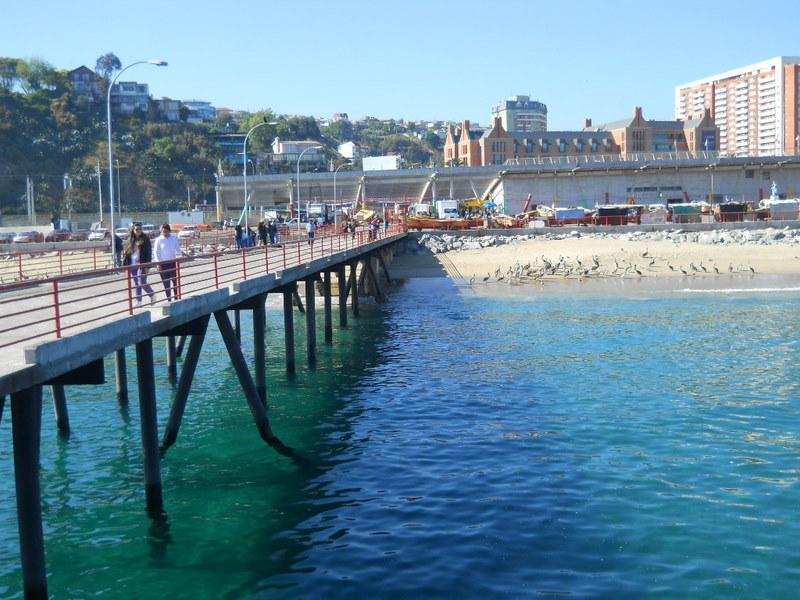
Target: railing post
130 291
177 292
266 258
283 248
19 261
94 258
216 272
56 308
312 248
60 262
299 260
244 264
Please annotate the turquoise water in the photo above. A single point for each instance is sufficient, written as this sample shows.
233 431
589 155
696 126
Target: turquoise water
459 444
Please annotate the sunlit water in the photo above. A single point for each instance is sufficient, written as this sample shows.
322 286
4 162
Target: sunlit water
459 444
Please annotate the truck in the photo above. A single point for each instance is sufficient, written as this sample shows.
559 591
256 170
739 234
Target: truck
447 209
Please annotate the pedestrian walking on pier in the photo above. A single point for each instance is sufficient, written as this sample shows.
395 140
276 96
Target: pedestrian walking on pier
311 227
273 232
262 233
139 252
166 250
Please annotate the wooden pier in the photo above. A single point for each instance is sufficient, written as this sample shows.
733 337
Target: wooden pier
57 332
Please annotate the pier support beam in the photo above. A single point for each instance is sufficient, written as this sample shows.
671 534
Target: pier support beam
179 347
259 345
237 325
353 285
26 422
341 277
288 330
385 269
172 366
2 406
326 293
298 301
60 408
121 372
374 279
184 385
147 412
311 322
257 409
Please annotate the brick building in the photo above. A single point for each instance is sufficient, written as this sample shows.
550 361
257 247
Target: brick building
634 134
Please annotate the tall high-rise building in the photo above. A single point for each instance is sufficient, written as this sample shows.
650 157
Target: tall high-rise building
755 107
521 114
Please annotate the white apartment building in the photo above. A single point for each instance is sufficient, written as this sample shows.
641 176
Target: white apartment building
755 107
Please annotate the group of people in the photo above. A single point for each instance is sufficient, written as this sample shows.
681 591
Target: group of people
139 251
247 238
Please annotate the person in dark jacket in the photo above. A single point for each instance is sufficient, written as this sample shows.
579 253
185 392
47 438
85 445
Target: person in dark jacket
138 252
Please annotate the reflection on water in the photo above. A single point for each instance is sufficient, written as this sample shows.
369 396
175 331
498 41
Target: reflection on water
461 443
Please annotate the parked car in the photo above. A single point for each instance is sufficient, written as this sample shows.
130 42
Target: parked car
6 237
101 233
57 235
188 232
123 232
79 235
149 230
26 237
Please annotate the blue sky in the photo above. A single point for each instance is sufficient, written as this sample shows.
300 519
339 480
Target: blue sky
413 59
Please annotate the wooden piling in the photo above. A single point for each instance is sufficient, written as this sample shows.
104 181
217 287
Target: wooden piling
121 372
184 385
288 330
354 287
179 347
378 294
311 322
382 260
259 345
326 293
172 366
2 406
60 408
298 302
149 422
237 325
26 423
341 277
257 408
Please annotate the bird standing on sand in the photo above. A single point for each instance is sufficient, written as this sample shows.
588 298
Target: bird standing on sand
472 280
485 279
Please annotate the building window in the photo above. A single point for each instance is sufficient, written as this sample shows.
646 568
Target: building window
545 146
562 146
749 174
594 145
765 175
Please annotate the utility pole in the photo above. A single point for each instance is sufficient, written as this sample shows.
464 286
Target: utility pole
100 193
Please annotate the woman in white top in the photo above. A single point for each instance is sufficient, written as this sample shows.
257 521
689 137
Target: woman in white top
166 251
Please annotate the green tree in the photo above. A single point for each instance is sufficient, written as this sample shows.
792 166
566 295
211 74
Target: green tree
341 131
107 65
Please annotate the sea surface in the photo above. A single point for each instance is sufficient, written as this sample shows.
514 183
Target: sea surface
458 443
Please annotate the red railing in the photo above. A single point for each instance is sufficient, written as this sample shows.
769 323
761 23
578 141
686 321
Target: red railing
65 304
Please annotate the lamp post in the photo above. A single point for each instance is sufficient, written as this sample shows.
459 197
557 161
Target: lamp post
335 201
157 63
244 167
298 180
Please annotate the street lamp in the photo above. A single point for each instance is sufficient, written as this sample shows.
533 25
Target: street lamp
298 180
244 166
157 63
335 202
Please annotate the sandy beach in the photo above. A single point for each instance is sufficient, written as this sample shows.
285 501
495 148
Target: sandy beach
618 256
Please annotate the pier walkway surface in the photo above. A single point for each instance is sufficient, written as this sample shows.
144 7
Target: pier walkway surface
51 326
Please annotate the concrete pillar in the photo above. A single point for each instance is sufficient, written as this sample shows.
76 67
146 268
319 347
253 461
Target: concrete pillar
121 372
311 322
259 346
326 292
341 278
172 365
2 406
147 412
60 408
26 422
288 330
